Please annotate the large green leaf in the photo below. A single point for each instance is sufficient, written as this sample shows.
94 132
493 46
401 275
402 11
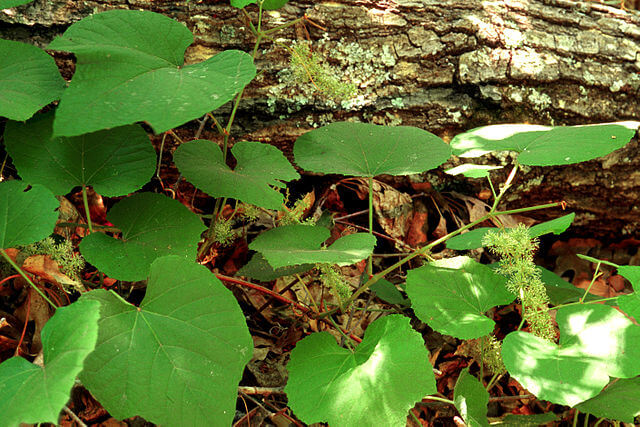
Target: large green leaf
620 401
471 399
451 296
36 394
113 162
26 216
130 68
596 342
363 149
259 167
374 386
177 359
301 244
473 239
152 226
267 4
29 78
544 145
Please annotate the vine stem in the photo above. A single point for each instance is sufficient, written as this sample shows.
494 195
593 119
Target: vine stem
25 277
595 301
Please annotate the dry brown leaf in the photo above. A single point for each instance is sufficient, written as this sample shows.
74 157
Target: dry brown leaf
49 270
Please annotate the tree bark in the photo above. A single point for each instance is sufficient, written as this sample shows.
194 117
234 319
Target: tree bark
445 66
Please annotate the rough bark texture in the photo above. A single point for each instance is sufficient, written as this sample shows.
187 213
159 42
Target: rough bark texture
445 66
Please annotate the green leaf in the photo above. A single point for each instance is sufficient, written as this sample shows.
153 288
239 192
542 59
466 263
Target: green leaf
543 145
301 244
472 171
471 399
387 291
267 4
259 269
36 394
26 216
152 226
175 360
29 78
259 167
6 4
620 401
630 303
473 239
374 386
130 68
114 162
596 342
363 149
451 296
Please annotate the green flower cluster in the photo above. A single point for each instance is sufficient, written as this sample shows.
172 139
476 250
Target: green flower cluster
332 278
516 248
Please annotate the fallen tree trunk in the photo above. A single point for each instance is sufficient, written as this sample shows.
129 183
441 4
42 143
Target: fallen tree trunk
445 66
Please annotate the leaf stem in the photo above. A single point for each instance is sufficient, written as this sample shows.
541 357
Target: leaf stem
596 274
283 26
85 201
370 261
164 136
345 337
440 399
25 277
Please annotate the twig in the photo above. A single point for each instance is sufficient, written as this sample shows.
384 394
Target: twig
74 417
265 391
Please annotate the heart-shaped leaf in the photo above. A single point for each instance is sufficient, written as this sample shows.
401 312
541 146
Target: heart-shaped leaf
26 216
301 244
620 401
596 342
36 394
113 162
375 385
473 239
185 346
630 303
544 145
259 167
130 68
363 149
471 399
266 4
29 78
152 226
451 296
